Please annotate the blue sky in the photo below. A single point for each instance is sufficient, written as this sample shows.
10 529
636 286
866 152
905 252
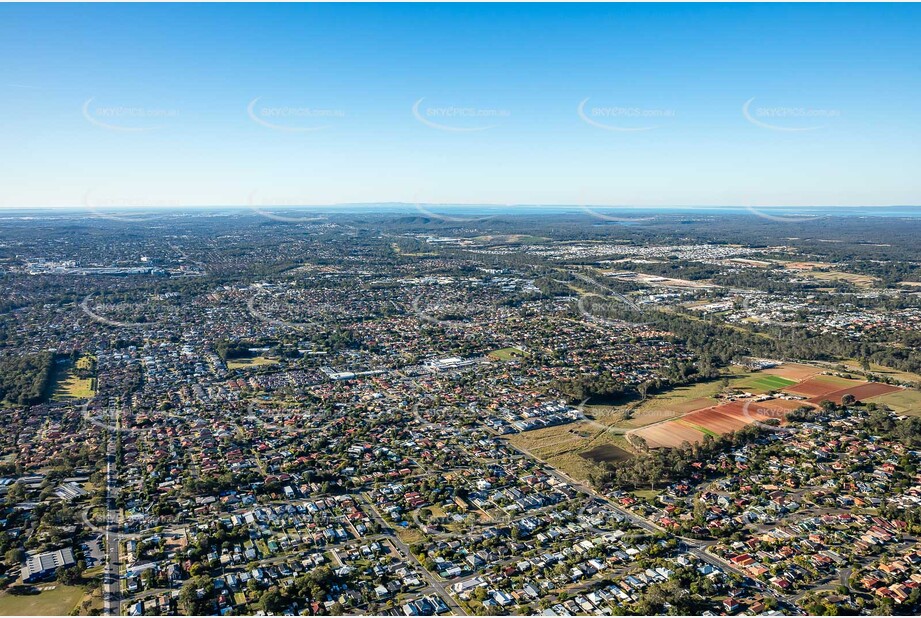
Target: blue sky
540 104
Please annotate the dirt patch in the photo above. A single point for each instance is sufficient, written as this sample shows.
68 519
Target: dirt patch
804 265
606 453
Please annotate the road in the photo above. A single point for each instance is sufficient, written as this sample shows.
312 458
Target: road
110 592
694 547
435 585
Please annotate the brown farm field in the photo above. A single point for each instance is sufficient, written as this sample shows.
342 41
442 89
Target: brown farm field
668 434
662 411
715 420
861 392
820 385
689 414
793 371
802 265
678 401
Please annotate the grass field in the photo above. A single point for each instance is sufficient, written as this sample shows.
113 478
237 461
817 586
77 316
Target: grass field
410 535
906 402
66 385
86 362
506 354
645 494
880 370
254 361
864 281
398 251
57 602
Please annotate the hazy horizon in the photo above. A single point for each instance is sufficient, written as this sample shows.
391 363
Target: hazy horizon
505 208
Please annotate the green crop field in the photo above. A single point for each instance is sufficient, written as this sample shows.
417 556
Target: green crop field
764 383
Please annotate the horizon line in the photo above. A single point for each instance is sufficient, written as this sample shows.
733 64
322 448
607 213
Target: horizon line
256 207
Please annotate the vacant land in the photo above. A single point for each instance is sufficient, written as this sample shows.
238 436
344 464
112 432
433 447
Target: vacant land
793 371
646 494
801 265
552 441
864 281
67 385
410 535
886 372
254 361
565 447
510 239
59 601
907 401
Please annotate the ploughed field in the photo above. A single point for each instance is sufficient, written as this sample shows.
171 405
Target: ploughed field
862 392
800 383
819 386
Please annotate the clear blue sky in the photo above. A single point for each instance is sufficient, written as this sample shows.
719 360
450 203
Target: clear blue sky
208 104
